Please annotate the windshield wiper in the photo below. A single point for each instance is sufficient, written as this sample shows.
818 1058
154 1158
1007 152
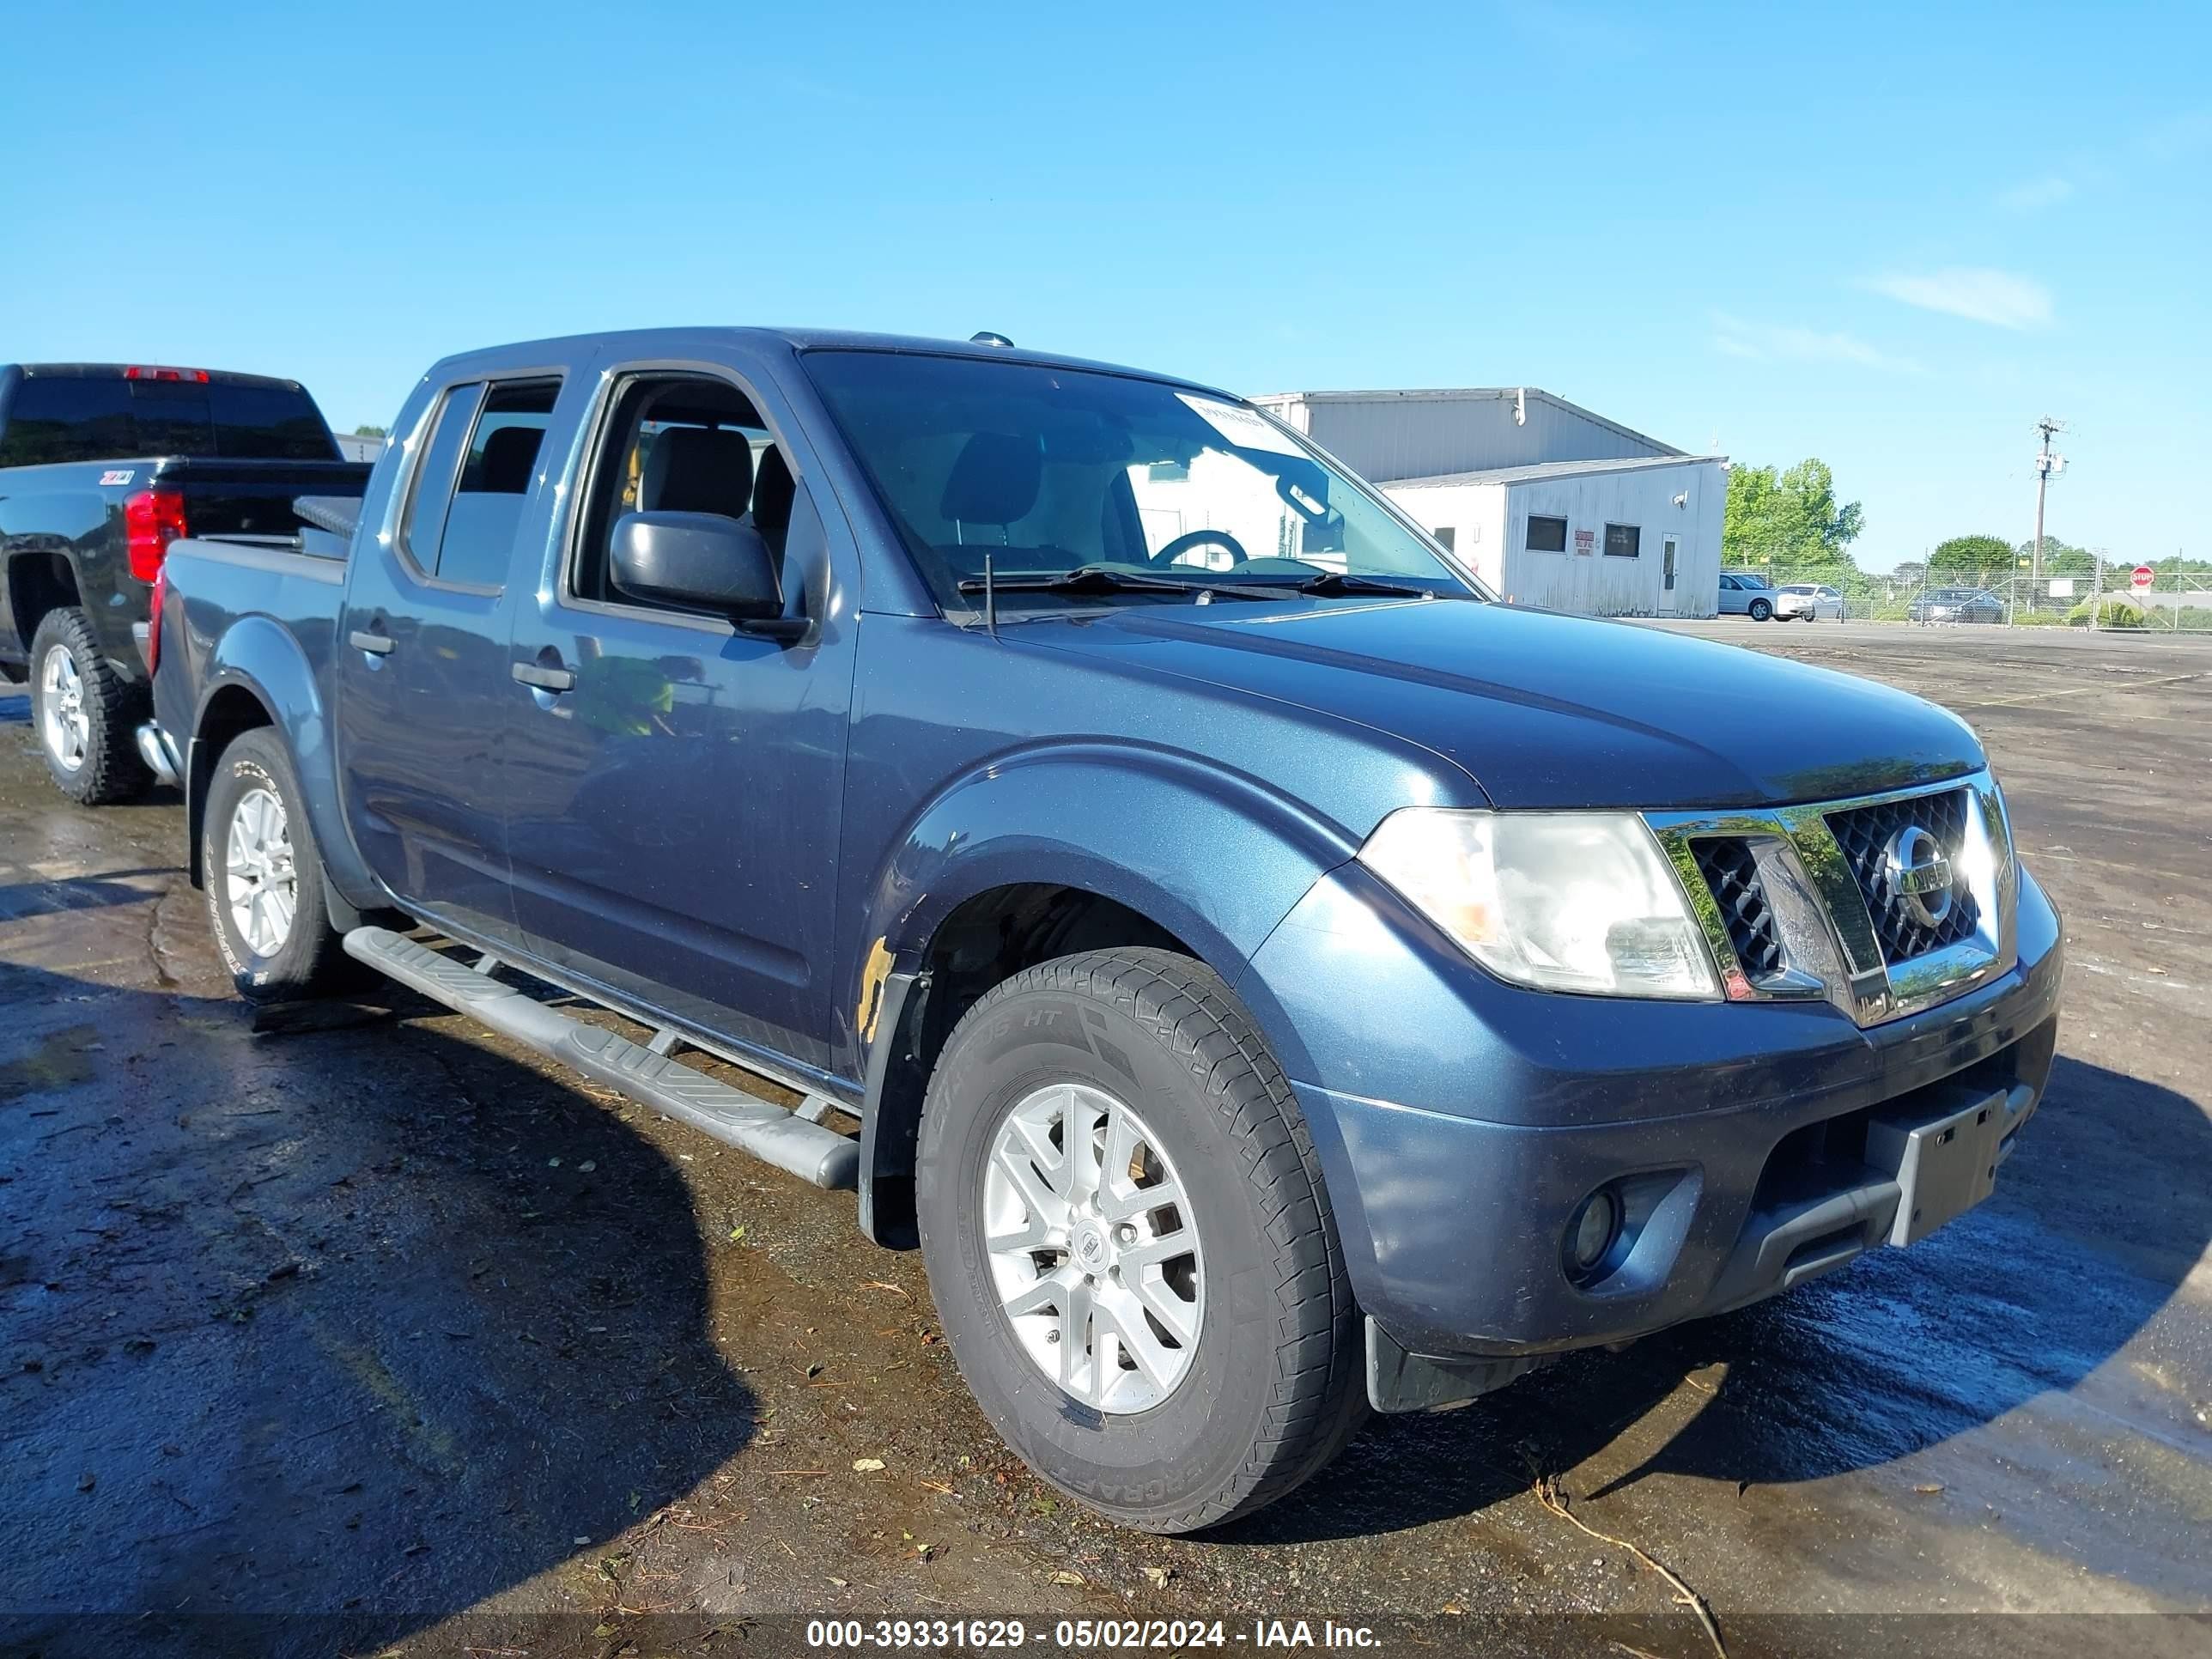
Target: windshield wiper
1339 581
1101 579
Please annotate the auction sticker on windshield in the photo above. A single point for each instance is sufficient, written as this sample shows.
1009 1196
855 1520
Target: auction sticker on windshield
1244 429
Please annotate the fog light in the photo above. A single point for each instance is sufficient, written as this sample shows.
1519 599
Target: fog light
1591 1234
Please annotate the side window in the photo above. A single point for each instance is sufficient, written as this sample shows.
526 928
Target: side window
678 443
1546 535
431 493
475 474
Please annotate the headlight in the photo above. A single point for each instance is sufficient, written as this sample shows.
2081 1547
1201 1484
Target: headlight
1559 901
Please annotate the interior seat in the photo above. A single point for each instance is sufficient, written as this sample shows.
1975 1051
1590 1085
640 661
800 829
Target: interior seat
510 456
697 469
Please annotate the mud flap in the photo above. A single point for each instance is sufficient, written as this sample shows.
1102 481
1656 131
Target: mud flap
1398 1380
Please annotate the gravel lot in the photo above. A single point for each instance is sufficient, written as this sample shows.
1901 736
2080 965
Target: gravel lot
380 1335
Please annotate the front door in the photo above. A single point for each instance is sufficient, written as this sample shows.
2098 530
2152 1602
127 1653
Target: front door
1669 547
422 653
675 784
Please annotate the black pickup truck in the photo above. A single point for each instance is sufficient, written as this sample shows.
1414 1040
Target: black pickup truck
102 465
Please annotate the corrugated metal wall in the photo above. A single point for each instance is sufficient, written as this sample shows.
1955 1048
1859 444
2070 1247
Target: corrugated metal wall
1490 522
1415 436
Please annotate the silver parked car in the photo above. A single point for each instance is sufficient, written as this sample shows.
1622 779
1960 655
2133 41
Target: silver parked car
1743 593
1809 602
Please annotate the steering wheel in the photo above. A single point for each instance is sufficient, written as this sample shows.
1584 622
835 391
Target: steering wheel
1184 544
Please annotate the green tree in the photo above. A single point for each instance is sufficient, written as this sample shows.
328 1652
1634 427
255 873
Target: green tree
1982 558
2059 558
1789 520
370 432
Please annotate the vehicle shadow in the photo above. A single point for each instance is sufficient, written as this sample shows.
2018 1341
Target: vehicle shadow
2096 1220
319 1341
18 901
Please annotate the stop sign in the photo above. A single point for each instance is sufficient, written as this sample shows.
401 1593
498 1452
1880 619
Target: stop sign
2142 576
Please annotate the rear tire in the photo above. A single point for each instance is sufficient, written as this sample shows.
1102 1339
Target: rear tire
1269 1384
264 875
86 714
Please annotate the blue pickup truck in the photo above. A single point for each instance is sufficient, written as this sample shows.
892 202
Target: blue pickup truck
1267 977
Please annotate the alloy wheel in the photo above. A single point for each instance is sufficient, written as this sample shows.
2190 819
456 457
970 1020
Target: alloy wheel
1092 1248
260 882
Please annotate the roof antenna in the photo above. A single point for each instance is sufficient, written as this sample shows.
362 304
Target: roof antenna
990 600
985 336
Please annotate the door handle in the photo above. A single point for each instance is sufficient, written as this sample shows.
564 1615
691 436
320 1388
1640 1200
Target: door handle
543 680
377 644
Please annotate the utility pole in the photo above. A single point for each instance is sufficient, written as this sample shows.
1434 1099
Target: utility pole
2046 464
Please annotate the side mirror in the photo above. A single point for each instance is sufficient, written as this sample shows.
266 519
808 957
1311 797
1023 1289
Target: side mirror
701 561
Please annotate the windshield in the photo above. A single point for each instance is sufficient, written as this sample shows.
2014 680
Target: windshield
1049 470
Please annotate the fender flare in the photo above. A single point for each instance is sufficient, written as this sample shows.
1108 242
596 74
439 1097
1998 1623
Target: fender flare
259 657
1147 826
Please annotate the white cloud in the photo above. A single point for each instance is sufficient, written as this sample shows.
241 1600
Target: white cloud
2033 195
1770 343
1997 297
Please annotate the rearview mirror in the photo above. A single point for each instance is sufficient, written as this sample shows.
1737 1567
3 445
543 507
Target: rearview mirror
701 561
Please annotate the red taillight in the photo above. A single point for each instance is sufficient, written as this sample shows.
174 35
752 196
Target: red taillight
154 621
149 372
152 519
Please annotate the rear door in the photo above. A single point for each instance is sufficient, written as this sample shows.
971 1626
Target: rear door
422 648
676 785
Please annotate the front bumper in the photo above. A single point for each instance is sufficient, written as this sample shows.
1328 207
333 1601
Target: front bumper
1749 1140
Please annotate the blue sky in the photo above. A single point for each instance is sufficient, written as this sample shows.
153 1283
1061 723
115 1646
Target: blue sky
1890 238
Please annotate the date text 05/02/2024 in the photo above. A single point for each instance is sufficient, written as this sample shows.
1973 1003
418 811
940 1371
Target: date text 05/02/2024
1079 1635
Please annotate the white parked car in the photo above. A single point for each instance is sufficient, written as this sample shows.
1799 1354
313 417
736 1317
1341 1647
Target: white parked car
1809 602
1744 593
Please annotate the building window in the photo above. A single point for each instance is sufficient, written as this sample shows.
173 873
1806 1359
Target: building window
1445 537
1623 541
1547 535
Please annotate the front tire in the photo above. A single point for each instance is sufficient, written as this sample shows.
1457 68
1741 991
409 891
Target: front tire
87 715
264 875
1761 610
1130 1245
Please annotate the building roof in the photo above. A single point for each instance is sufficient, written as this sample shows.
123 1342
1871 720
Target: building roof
1536 470
1467 394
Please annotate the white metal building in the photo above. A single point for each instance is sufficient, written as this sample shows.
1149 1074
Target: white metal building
1547 502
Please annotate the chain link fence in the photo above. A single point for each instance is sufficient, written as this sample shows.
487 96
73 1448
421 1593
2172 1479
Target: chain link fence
2175 601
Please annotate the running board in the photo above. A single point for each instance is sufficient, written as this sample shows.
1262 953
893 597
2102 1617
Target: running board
807 1150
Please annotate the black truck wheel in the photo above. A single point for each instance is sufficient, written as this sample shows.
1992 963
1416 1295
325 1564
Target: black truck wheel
87 715
1130 1245
264 875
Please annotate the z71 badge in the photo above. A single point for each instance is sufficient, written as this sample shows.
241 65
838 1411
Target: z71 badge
119 477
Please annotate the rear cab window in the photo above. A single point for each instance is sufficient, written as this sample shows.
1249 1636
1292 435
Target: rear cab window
104 417
466 503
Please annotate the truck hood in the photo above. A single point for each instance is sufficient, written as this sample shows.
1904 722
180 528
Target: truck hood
1544 710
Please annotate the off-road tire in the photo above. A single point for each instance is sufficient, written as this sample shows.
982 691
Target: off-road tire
312 959
1277 1384
113 709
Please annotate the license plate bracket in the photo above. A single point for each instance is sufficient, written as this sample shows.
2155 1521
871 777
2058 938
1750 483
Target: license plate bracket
1944 1166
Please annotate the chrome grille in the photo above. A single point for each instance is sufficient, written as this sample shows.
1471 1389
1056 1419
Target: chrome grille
1732 874
1801 901
1864 834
